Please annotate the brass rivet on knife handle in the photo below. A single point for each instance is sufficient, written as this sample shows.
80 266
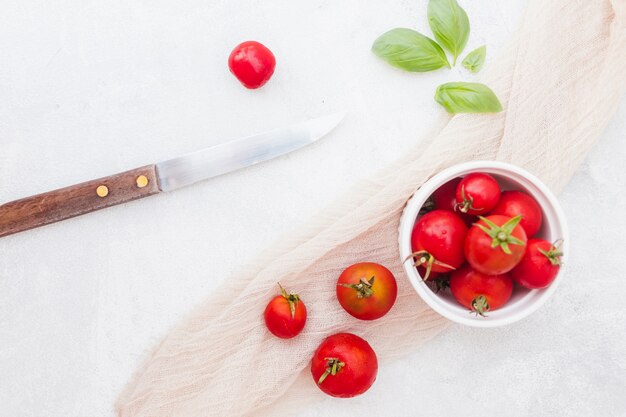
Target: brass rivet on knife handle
102 191
142 181
50 207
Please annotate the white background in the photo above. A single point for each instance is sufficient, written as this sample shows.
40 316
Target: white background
91 88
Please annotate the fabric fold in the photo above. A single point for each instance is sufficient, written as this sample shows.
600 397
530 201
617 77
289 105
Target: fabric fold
560 81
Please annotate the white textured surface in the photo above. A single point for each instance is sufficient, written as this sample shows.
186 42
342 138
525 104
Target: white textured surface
88 89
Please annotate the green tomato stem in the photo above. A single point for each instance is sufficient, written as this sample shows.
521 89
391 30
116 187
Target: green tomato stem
334 366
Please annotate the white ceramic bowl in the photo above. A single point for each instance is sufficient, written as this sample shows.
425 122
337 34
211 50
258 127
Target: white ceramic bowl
523 302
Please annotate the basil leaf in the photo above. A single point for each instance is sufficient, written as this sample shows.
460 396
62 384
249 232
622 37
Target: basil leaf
449 24
461 97
410 51
474 60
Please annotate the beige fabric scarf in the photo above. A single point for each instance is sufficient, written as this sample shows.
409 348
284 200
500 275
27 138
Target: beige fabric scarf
559 82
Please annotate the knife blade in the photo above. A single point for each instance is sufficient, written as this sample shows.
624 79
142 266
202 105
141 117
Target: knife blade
75 200
240 153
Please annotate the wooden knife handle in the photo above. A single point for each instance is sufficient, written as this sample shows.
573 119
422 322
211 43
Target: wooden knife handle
53 206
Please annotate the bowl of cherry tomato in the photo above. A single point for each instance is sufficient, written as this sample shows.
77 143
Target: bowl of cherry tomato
484 243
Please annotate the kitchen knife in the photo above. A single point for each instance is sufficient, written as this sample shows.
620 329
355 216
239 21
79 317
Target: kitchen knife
61 204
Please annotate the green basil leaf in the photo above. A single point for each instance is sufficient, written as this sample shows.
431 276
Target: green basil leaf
474 60
461 97
449 24
410 51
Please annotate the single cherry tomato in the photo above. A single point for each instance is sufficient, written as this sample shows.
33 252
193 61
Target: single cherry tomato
285 315
480 292
514 203
477 194
344 365
437 241
540 264
367 290
495 244
444 198
252 63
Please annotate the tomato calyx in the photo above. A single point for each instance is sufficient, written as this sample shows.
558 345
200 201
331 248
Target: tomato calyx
467 204
363 288
442 283
501 235
554 253
429 205
427 260
334 366
292 298
480 305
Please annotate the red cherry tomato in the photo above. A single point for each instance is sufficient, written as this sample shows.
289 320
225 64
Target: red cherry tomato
252 63
477 194
444 198
495 244
514 203
437 241
480 292
367 290
285 315
344 365
539 266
